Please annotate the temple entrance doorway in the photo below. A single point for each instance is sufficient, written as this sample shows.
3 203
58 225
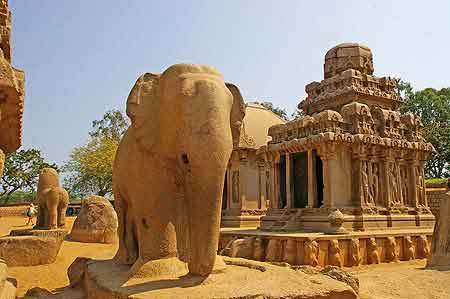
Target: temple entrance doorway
282 182
300 178
319 180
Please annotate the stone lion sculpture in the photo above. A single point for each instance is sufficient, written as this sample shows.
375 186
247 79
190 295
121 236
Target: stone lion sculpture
169 169
53 201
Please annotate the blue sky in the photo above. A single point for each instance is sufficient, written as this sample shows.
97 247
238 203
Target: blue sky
82 57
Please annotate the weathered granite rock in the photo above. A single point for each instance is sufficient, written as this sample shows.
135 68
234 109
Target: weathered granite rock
29 250
7 286
440 247
51 233
164 279
96 222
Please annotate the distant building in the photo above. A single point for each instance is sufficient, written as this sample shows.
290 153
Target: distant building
245 196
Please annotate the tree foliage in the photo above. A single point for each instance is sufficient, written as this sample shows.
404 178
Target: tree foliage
89 169
22 172
433 106
278 111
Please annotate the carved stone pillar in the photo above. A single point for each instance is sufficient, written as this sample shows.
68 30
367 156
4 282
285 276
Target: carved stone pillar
243 181
412 183
289 195
327 180
262 185
312 180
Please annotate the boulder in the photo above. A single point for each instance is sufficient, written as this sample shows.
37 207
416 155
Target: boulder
29 250
440 247
96 222
7 286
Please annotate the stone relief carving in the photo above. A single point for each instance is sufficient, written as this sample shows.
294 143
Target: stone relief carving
365 183
391 252
290 252
408 248
258 248
311 253
374 183
355 256
373 256
404 184
334 253
274 251
393 184
420 186
423 247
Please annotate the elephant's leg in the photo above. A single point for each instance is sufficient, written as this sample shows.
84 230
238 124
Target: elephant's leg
127 252
204 200
63 203
52 209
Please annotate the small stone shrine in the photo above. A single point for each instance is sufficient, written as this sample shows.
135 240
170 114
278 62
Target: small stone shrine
352 151
346 181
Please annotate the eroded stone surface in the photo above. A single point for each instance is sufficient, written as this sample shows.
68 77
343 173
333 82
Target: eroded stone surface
440 247
7 287
241 279
29 250
96 222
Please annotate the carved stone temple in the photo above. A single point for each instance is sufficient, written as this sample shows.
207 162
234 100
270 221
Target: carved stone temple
12 90
345 181
353 151
245 196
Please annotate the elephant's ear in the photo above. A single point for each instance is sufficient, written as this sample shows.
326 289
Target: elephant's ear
143 110
237 113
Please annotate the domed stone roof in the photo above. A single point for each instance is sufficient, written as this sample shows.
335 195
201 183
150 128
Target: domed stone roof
348 56
256 124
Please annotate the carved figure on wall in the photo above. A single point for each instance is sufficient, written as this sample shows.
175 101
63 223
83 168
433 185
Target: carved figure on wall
408 248
373 256
236 183
423 247
393 184
170 166
374 183
420 186
311 253
365 183
290 251
53 201
391 251
334 253
274 250
404 184
258 248
355 256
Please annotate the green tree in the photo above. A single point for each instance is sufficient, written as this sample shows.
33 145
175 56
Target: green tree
89 169
22 172
433 106
278 111
113 125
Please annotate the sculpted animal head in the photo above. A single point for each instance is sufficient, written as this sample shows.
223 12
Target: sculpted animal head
48 178
156 97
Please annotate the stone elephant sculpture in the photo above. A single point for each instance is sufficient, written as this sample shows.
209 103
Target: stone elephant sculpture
168 174
53 201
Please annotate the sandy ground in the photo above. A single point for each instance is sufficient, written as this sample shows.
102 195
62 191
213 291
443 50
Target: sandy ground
385 281
52 276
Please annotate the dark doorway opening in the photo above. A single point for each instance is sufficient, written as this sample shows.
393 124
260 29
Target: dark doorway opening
225 193
319 179
300 178
282 181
